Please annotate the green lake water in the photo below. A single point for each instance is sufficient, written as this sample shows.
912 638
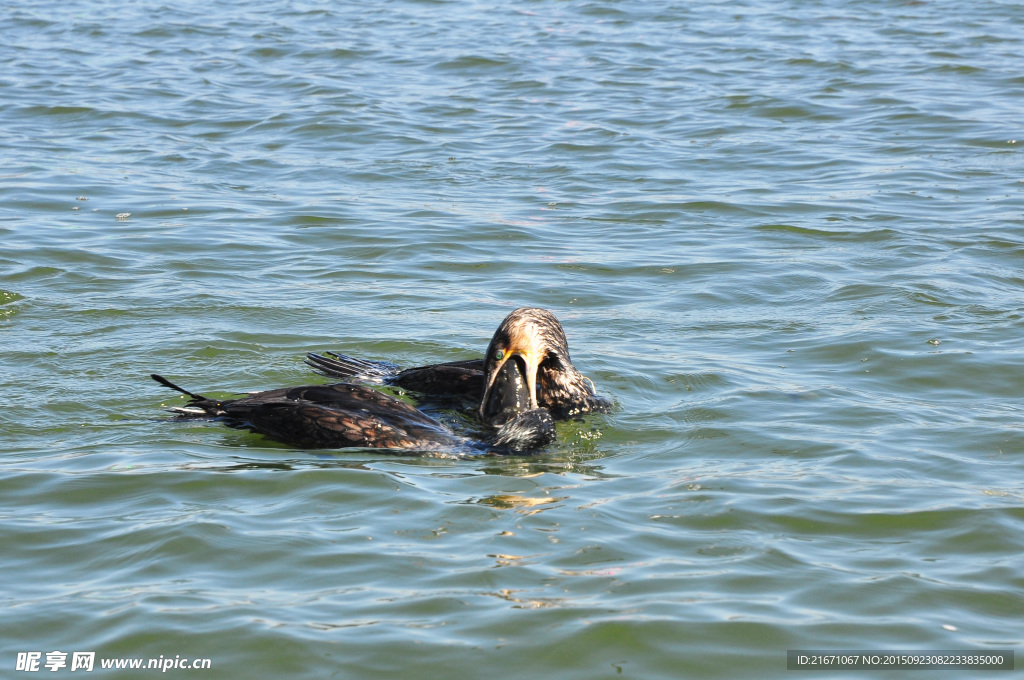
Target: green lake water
786 239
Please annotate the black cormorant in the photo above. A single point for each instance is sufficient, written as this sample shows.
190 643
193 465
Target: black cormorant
345 414
529 337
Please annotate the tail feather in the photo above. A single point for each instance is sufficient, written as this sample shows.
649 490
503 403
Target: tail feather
198 405
350 368
167 383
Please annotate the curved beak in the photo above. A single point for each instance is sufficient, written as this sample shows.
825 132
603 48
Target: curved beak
531 360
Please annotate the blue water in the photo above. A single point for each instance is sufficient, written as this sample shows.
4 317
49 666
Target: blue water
785 238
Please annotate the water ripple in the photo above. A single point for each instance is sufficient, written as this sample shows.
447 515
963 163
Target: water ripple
790 256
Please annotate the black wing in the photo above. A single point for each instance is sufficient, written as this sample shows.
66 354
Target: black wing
339 415
310 425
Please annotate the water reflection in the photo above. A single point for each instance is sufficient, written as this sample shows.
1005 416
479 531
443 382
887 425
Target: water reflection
447 468
524 505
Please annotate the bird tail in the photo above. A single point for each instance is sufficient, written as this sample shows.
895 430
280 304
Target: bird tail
349 368
200 405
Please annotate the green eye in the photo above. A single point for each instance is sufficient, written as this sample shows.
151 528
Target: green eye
499 354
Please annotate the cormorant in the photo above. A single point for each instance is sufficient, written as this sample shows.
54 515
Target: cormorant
529 337
345 414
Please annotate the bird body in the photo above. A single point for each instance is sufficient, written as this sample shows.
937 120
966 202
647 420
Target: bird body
525 379
348 415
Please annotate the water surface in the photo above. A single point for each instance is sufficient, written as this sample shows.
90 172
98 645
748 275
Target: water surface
786 239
